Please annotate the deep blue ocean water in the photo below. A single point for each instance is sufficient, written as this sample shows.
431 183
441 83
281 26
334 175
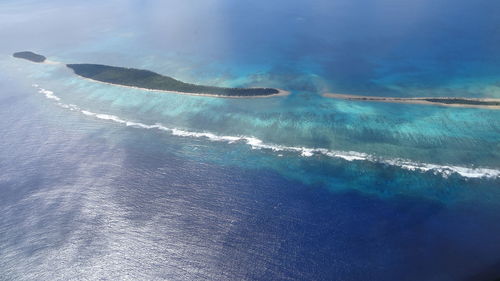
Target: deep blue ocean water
101 182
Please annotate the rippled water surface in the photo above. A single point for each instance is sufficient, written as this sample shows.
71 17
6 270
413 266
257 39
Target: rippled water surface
106 182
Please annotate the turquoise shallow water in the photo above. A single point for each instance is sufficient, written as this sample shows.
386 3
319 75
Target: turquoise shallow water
101 180
304 121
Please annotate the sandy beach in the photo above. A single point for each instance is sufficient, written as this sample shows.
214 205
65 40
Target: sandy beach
418 100
281 92
51 62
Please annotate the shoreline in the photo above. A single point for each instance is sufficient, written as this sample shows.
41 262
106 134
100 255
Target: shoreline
51 62
418 100
280 93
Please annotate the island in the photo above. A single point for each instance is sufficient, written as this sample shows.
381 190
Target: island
27 55
149 80
487 103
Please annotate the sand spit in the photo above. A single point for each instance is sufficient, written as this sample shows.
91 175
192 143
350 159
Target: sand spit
440 101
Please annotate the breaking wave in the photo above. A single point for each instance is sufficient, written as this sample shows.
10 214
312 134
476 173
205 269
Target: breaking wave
255 143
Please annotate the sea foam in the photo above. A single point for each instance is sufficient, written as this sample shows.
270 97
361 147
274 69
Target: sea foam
255 143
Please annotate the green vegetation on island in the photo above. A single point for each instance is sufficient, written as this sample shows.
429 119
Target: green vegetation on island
27 55
153 81
487 103
463 101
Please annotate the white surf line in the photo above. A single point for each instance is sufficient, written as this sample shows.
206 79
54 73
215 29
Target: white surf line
255 143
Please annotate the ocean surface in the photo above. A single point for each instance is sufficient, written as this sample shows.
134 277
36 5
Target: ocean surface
101 182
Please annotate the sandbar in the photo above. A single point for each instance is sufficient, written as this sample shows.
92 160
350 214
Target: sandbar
485 103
